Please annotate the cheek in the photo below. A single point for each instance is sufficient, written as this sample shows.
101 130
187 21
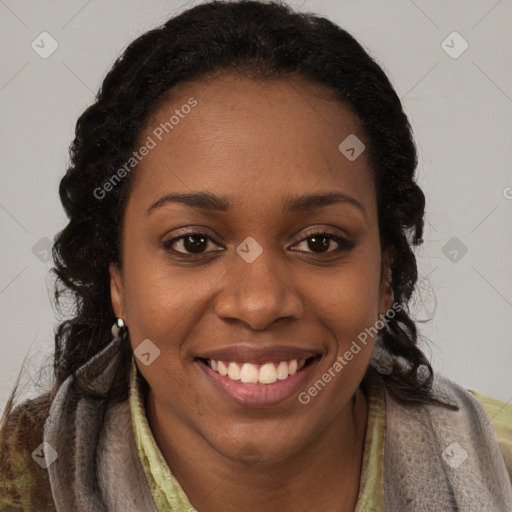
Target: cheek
163 307
158 304
347 307
347 299
160 296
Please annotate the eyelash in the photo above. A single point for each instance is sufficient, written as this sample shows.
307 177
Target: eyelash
344 244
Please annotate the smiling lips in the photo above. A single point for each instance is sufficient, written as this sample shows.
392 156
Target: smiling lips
258 378
258 365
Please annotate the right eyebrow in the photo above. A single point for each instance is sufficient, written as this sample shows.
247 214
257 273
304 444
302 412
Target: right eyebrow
201 200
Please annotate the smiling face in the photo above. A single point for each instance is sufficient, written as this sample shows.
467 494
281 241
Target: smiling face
272 255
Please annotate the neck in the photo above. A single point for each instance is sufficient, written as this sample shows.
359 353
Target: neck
324 475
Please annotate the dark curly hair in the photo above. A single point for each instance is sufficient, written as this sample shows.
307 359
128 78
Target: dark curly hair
259 40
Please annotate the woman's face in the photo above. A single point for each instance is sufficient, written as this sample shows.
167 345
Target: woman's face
263 273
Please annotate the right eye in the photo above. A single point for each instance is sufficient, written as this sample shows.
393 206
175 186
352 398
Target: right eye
191 243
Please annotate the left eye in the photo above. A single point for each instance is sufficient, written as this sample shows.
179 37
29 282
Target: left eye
320 243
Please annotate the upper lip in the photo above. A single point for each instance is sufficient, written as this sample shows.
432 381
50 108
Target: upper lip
259 354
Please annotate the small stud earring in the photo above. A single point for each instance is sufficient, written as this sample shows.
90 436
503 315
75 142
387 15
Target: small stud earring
118 327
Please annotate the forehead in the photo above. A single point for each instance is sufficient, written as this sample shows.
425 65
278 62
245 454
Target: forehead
271 138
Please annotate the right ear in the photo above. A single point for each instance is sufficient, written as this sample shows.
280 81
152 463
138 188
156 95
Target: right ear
117 290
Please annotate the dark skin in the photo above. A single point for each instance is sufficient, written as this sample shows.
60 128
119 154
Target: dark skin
258 144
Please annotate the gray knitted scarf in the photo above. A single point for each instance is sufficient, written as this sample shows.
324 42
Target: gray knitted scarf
435 459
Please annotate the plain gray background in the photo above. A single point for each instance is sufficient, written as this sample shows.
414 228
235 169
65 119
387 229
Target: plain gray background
460 107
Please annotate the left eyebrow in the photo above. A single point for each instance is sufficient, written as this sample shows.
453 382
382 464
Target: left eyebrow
308 202
299 204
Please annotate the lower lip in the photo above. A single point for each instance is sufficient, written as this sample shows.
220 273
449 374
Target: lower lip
254 395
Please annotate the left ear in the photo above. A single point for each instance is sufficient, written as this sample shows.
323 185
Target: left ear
385 286
117 291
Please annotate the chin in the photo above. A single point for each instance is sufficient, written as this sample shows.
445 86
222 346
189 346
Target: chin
255 450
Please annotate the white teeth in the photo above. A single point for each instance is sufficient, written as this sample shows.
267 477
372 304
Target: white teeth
223 369
282 370
234 371
249 373
268 374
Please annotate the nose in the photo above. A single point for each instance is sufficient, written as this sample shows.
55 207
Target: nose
256 295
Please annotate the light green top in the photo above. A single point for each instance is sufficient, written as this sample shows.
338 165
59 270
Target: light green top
167 492
169 496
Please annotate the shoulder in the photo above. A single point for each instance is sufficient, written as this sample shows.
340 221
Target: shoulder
447 444
480 410
500 414
24 485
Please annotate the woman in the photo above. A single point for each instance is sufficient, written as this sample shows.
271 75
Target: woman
242 209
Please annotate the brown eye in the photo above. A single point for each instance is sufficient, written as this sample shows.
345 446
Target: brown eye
321 242
190 243
195 243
